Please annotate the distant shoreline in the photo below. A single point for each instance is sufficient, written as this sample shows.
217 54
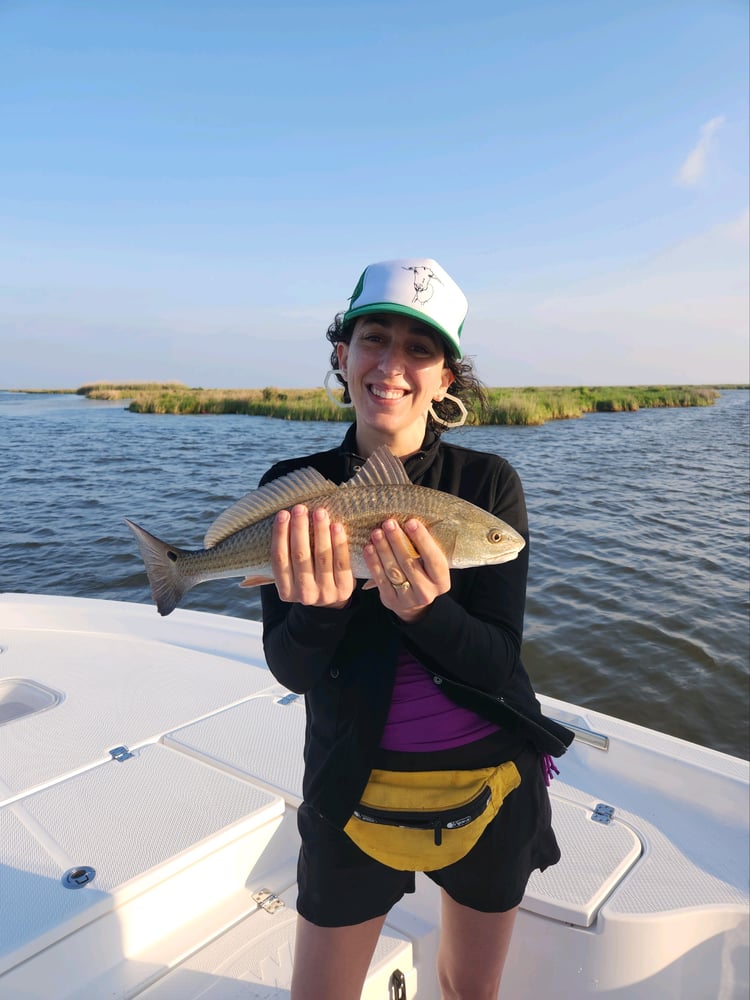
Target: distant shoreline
95 389
519 406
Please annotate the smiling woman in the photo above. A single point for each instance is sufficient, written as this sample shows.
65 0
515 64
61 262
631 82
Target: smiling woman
401 302
418 671
394 367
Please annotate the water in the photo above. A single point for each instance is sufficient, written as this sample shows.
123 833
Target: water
638 589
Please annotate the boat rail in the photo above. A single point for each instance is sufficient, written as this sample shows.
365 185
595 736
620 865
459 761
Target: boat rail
588 736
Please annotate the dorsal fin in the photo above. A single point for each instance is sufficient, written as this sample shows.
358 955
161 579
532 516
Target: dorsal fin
382 468
281 494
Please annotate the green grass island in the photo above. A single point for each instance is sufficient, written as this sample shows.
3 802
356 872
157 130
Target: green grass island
522 406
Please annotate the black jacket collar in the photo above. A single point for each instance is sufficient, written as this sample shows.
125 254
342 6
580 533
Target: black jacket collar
416 465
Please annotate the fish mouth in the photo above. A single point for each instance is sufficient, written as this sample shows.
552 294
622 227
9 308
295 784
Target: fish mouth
387 392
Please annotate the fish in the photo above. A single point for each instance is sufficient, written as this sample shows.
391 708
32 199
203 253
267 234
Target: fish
238 543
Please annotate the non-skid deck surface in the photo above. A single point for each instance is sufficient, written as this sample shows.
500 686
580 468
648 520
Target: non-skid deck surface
127 821
261 739
217 760
115 690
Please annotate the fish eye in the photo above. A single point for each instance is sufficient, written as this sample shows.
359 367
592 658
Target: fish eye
494 535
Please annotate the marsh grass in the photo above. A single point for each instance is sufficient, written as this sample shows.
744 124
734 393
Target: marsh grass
530 406
286 404
125 390
534 406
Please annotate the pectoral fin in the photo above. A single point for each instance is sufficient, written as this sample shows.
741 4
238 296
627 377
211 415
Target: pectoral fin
411 551
256 581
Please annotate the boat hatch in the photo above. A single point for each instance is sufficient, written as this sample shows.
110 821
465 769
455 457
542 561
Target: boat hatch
20 697
597 853
261 739
135 880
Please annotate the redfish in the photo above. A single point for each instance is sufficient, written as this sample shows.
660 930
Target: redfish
238 543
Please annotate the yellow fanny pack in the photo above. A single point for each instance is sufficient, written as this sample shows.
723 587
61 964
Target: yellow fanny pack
423 820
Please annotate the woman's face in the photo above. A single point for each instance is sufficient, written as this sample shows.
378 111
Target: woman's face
395 368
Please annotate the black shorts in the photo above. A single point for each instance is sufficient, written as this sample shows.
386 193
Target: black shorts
339 885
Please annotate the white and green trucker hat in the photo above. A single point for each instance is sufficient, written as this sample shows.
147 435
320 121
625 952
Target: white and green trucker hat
416 287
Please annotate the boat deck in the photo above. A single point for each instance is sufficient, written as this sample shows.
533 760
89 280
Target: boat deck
150 772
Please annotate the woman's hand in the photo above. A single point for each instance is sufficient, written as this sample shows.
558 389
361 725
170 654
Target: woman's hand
408 582
319 575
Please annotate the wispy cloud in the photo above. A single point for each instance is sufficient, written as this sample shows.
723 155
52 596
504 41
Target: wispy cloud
677 316
694 165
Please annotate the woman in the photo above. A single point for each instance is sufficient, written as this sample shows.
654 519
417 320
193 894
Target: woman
423 671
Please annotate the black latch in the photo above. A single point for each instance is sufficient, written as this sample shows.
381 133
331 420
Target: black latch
77 878
397 986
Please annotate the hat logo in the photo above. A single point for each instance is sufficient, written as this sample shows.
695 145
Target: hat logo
423 276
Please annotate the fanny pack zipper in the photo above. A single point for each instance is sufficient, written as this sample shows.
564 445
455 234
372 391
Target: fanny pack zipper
446 819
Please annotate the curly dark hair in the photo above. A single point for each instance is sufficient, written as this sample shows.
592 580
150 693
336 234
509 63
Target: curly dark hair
466 384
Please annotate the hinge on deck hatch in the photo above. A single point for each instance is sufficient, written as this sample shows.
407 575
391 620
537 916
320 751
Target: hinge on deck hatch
397 986
603 813
288 699
268 900
120 753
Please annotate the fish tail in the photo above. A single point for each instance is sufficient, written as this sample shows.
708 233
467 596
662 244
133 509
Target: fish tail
168 584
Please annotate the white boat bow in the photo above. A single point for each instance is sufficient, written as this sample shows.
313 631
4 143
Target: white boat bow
150 772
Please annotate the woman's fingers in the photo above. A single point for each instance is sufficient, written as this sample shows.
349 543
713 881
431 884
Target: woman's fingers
410 553
322 543
333 575
342 566
408 567
280 555
303 566
313 572
406 564
432 559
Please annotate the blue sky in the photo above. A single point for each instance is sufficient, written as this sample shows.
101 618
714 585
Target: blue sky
190 190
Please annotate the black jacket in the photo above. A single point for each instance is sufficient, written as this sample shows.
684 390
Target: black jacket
344 661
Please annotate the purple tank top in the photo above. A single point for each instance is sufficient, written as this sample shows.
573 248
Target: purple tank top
422 718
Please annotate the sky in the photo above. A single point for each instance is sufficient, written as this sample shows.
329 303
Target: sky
189 190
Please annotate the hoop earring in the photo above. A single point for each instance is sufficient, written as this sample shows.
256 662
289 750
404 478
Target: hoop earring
447 423
329 393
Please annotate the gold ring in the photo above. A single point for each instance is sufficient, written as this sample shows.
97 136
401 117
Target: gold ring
402 587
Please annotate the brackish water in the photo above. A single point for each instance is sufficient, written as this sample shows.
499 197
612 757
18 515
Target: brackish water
639 582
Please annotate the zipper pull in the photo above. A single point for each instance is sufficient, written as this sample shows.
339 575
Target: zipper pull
438 828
